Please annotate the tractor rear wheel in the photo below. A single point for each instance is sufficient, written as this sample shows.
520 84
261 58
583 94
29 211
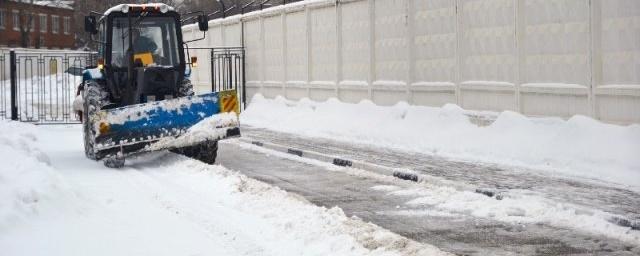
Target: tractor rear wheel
205 152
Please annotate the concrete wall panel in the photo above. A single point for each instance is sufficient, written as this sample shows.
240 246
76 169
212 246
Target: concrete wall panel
323 44
233 34
353 95
557 42
355 43
273 49
297 46
253 50
391 43
563 105
434 40
538 57
620 28
492 100
488 40
321 94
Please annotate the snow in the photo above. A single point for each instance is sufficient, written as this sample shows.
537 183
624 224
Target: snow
620 86
141 111
434 198
42 97
119 8
27 179
487 83
389 83
554 85
211 128
516 208
53 201
434 84
355 83
577 148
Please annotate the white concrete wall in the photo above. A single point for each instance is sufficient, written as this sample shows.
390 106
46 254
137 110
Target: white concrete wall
537 57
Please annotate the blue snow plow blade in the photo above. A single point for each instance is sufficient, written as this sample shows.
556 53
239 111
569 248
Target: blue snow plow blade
136 128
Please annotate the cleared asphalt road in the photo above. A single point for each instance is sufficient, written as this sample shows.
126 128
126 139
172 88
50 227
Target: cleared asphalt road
459 233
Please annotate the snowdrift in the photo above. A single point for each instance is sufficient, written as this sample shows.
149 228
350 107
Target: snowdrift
26 177
578 147
54 201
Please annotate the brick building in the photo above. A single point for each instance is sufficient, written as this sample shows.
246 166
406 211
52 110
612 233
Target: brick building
36 24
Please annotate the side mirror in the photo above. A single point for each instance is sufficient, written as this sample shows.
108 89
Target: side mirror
91 25
203 23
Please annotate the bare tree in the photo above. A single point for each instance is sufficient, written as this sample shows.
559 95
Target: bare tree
27 24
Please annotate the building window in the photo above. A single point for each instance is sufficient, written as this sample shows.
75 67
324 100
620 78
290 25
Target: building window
55 24
41 42
16 20
43 23
66 23
2 19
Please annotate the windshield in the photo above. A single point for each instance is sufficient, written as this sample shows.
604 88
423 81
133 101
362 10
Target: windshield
154 41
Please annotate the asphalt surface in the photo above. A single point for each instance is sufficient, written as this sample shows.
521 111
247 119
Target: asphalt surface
461 234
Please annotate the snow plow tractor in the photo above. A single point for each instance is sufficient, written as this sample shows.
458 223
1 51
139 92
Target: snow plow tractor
139 97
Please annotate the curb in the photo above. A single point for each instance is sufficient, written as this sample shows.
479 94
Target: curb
338 161
380 169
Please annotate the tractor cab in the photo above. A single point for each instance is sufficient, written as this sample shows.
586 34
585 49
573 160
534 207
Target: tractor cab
141 52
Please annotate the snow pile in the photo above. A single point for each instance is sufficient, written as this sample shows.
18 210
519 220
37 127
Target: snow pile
280 220
26 178
515 208
579 146
161 204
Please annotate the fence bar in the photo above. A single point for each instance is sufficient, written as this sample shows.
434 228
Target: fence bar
14 85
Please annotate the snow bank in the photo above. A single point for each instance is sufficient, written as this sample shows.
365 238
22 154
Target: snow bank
161 204
515 208
26 178
579 146
287 224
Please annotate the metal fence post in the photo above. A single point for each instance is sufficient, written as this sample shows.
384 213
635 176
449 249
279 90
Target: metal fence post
14 85
244 84
213 73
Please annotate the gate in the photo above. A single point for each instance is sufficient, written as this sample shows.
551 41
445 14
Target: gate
227 69
40 86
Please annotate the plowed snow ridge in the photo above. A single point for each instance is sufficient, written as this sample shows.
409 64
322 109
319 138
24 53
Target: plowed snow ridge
59 203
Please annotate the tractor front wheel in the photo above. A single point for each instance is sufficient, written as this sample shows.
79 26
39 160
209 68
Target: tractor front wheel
94 99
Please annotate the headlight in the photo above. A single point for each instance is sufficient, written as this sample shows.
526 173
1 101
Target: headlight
164 8
104 128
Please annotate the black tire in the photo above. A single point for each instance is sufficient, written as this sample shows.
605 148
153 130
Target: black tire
95 97
205 152
185 88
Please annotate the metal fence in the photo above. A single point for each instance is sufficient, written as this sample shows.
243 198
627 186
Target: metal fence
40 86
227 70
